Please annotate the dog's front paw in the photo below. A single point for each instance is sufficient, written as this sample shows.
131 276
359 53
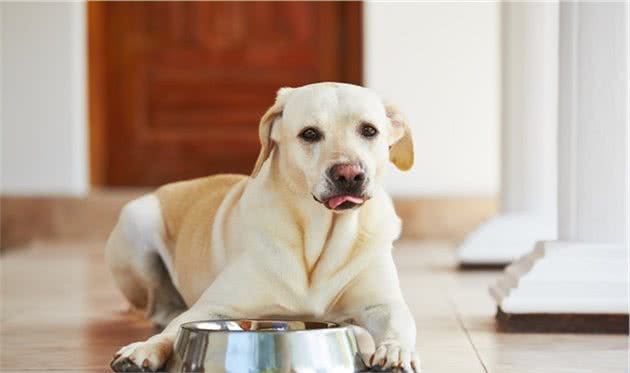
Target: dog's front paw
148 356
391 356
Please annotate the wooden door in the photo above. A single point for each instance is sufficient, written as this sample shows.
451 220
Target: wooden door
177 88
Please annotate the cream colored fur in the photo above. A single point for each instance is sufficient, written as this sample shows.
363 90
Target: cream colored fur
232 246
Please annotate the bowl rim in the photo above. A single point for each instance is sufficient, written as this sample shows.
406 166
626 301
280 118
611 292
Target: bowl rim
338 326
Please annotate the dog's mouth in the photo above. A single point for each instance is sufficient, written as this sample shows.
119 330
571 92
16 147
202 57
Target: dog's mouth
342 202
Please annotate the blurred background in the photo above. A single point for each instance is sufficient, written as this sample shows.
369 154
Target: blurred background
109 95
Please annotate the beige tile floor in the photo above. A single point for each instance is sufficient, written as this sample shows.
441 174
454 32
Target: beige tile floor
59 311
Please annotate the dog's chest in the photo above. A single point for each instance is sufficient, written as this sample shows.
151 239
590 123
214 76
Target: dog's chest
315 292
317 299
320 265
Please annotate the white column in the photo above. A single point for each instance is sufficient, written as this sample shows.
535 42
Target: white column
528 138
586 270
593 138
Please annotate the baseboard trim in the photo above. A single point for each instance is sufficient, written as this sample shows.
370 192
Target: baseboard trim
443 218
24 219
37 218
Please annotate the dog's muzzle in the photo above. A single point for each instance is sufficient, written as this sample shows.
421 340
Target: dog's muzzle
347 182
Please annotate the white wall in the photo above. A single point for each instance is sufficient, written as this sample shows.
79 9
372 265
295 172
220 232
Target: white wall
439 62
43 98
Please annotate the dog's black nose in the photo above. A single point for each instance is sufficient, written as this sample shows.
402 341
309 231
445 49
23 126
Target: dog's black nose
348 177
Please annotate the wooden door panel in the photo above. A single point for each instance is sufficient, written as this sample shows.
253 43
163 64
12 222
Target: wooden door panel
186 82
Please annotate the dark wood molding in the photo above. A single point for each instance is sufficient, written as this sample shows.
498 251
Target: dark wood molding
481 267
562 323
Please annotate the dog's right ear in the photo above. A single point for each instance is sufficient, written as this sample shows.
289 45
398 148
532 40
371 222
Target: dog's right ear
266 126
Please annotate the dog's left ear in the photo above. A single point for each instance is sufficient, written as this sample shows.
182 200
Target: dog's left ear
266 125
400 141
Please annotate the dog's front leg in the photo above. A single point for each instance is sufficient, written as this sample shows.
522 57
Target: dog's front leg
151 355
394 333
229 296
374 301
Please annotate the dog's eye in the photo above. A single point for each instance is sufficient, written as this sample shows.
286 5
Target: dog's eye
311 134
367 130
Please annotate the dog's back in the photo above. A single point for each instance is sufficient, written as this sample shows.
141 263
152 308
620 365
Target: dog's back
189 210
160 232
179 199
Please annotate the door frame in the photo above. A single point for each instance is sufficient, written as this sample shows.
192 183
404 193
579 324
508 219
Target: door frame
96 91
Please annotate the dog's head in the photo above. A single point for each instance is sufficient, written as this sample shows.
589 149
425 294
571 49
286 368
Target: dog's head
333 141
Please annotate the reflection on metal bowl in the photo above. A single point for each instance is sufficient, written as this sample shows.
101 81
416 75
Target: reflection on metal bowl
244 346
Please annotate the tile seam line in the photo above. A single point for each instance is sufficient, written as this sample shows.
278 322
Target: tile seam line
468 337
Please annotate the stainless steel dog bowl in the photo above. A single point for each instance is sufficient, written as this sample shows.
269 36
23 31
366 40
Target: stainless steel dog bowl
244 346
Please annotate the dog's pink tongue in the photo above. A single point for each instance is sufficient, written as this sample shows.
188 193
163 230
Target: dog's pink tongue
336 201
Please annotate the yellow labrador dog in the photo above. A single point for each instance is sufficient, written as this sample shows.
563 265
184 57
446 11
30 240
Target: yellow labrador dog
308 234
